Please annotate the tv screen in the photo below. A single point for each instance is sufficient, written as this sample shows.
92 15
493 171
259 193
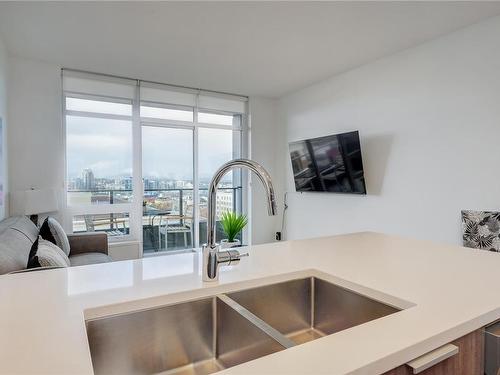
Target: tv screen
332 164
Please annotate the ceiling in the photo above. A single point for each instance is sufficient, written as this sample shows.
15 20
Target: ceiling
253 48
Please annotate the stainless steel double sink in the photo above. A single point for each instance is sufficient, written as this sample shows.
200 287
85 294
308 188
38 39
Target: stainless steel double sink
210 334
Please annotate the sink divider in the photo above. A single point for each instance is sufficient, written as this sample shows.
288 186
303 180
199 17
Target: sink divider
312 302
214 326
256 321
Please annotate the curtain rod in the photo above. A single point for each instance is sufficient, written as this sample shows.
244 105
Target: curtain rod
154 82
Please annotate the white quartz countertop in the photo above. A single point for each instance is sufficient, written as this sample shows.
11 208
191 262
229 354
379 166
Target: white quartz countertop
446 292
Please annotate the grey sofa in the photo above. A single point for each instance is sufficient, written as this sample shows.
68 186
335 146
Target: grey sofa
17 234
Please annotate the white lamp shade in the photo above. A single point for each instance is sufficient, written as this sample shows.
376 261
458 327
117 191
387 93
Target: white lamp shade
34 202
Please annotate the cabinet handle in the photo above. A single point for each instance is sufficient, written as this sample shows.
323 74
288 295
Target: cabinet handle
432 358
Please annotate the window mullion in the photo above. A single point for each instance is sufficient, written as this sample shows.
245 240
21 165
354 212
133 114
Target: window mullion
137 187
196 192
67 219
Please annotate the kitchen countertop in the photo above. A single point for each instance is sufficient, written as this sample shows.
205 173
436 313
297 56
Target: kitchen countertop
446 292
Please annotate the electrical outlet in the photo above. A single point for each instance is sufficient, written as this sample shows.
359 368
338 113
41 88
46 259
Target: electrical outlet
278 236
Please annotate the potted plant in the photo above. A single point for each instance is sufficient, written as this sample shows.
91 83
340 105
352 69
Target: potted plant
232 224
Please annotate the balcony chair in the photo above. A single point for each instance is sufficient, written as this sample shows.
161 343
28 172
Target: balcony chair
181 227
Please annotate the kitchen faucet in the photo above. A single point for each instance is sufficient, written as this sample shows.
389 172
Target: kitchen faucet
213 256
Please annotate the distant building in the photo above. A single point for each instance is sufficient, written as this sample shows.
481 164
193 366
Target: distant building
153 185
224 202
88 179
179 184
150 184
127 183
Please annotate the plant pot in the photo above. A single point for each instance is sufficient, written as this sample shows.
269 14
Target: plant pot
225 244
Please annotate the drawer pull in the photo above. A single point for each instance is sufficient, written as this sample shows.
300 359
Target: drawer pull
432 358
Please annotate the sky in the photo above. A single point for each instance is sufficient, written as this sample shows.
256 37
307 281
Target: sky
105 146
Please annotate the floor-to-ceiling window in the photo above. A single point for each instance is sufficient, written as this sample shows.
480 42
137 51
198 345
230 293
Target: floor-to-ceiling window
140 157
98 117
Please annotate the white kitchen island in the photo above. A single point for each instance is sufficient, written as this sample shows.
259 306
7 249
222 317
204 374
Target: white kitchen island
445 292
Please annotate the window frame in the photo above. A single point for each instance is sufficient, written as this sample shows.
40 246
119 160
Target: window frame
94 209
134 208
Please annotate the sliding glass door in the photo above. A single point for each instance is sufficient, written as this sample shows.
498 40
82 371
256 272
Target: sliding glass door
178 163
167 170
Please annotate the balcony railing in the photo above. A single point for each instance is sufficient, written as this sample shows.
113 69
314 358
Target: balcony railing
167 217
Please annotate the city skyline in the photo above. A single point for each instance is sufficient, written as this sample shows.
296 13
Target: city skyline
87 181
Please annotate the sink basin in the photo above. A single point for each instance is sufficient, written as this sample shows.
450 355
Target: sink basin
176 339
307 309
210 334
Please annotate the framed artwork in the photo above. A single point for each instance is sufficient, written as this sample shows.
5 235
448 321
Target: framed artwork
481 229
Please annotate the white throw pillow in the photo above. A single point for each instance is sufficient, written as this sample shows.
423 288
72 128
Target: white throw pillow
52 231
46 254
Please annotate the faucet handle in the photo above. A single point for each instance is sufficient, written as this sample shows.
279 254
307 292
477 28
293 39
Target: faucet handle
236 256
230 257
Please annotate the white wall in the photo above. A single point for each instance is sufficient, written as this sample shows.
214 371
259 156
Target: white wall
3 137
36 151
429 120
266 149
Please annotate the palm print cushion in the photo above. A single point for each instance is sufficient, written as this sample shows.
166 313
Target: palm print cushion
481 229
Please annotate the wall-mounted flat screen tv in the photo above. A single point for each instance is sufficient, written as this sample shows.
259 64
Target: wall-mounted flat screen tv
330 164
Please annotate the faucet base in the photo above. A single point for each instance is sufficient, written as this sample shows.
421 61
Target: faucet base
210 263
214 257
